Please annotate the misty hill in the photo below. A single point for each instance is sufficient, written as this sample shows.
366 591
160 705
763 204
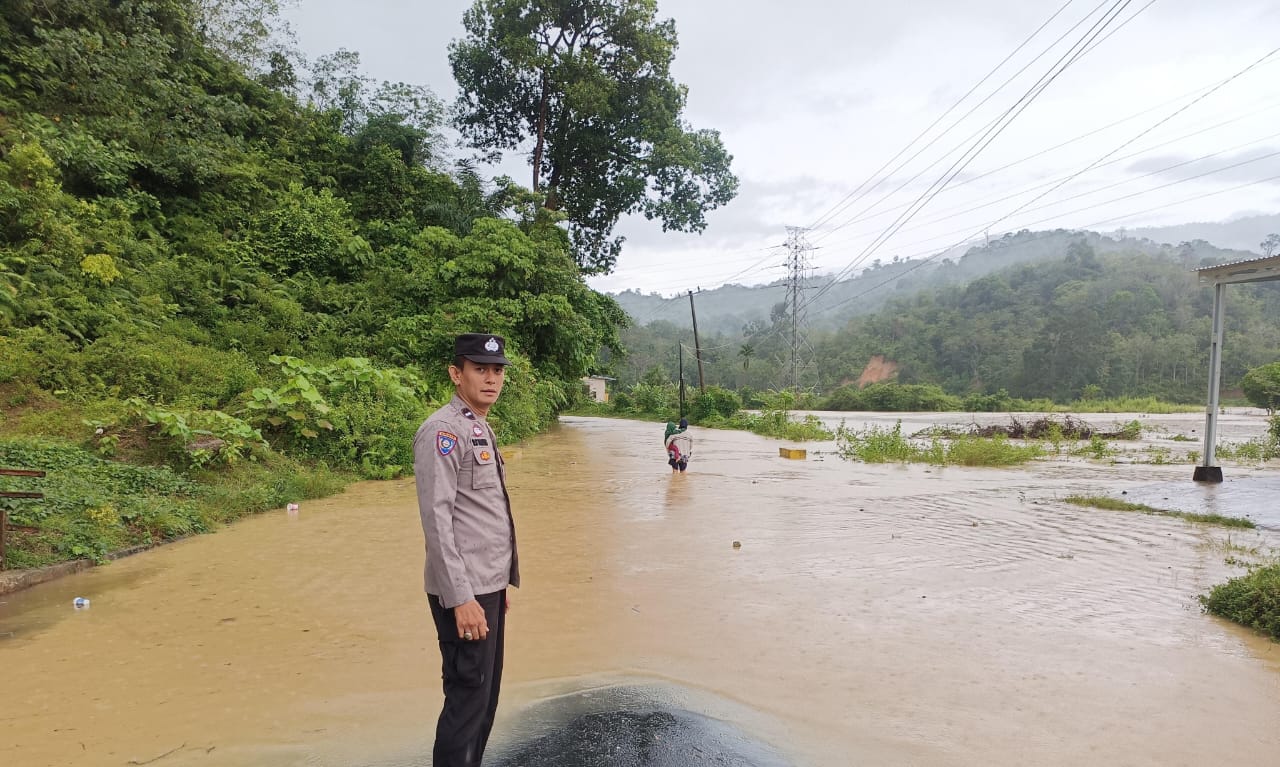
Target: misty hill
730 308
1083 321
1245 233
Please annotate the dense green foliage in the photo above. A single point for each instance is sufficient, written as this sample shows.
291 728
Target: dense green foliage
585 87
169 223
1252 600
198 271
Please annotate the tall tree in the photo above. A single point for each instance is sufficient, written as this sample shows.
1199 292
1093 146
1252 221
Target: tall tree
1262 386
1270 244
252 33
586 86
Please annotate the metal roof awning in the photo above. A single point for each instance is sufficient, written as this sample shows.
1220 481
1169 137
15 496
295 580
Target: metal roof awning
1252 270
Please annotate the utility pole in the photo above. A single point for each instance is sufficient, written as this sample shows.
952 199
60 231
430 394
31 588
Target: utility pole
697 348
680 350
798 250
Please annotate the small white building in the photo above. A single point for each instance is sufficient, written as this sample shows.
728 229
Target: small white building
598 387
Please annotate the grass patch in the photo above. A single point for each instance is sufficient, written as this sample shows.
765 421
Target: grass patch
1126 405
1252 600
1115 504
887 445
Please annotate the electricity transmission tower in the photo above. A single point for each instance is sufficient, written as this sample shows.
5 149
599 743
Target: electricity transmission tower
798 250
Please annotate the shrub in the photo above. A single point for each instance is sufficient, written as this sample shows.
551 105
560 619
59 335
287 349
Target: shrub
1251 600
996 451
875 445
350 414
892 397
660 399
881 445
714 401
167 369
42 357
1262 386
1000 402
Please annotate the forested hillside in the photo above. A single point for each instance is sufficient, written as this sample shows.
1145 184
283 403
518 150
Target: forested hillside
243 281
1070 323
169 221
729 308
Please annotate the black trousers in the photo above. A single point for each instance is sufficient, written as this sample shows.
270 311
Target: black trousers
472 671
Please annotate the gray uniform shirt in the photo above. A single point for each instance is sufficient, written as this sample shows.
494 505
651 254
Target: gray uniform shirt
463 502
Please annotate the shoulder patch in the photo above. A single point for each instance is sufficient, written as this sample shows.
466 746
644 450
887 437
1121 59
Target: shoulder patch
446 442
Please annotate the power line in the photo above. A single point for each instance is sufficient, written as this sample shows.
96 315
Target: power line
839 206
1113 200
1123 24
998 127
971 136
1172 115
1153 189
1022 207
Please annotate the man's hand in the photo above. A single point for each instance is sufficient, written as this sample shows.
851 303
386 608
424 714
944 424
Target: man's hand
471 621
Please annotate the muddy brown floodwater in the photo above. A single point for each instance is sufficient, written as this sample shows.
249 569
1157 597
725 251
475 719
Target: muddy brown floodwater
887 615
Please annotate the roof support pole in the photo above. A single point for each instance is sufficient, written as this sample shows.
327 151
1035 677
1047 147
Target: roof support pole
1208 470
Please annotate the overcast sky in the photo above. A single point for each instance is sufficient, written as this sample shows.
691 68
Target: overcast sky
813 97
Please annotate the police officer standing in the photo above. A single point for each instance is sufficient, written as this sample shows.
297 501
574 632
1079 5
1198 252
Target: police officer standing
471 546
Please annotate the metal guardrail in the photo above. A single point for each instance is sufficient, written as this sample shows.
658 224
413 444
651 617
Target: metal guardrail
4 514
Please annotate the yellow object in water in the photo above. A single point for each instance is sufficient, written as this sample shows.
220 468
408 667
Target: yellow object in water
790 452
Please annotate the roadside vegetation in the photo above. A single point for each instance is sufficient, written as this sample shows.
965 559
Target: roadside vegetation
768 413
94 507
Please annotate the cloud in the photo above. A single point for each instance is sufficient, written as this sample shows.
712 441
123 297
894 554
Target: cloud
1253 165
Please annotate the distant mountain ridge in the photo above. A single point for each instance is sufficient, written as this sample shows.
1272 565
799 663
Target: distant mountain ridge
1245 234
730 308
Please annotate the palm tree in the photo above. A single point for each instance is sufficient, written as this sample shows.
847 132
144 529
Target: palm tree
746 353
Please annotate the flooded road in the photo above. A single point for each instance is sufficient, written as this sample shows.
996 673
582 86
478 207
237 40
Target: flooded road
887 615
